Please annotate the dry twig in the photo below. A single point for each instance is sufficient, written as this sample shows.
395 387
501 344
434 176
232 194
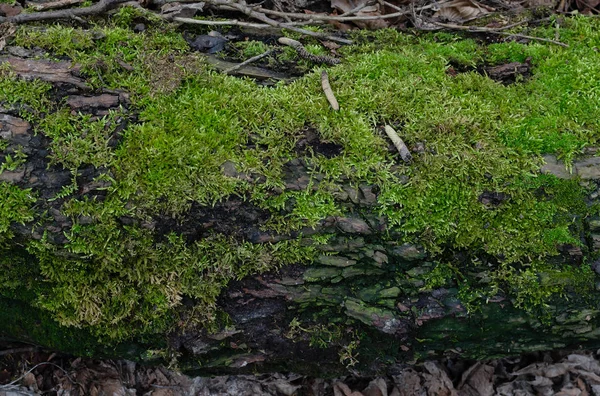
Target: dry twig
303 53
95 9
328 91
248 61
399 144
53 4
475 29
252 13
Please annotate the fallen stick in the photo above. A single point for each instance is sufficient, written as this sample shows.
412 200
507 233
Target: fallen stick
475 29
399 144
248 61
303 53
52 4
249 11
328 91
95 9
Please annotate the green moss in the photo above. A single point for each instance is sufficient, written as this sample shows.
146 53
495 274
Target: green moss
479 136
16 206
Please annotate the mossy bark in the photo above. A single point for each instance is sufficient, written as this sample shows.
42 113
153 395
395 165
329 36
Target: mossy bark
348 292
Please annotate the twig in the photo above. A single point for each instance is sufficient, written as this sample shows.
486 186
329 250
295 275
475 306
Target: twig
328 91
399 144
303 53
494 31
230 22
249 11
318 17
248 61
52 4
95 9
17 350
36 366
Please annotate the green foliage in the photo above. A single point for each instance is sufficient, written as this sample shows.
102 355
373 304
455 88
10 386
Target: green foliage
16 205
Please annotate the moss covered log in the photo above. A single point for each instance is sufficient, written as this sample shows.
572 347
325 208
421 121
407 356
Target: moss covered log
150 202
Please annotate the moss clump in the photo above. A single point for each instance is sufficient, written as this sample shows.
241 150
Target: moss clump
479 136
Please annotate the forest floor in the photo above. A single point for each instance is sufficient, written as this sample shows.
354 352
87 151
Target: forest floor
27 371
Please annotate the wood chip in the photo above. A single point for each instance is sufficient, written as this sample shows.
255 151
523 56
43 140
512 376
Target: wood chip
328 91
399 144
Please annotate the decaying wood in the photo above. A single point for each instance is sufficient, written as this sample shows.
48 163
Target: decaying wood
399 144
303 53
50 71
328 91
96 9
104 101
53 4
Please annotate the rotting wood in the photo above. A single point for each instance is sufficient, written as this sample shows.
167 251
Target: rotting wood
328 91
50 71
303 53
399 144
98 8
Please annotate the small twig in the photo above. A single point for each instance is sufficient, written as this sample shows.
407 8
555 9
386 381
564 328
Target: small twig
229 22
355 9
249 11
95 9
399 144
52 4
36 366
328 91
495 31
318 17
18 350
303 53
248 61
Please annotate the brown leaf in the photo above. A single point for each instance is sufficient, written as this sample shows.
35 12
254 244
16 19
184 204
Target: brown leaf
8 10
478 380
377 387
459 10
437 381
587 6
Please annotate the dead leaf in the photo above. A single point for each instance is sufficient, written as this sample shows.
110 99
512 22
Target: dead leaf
377 387
437 381
587 6
478 380
460 10
8 10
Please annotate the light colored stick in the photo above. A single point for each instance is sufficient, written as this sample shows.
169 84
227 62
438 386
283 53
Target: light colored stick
399 144
494 31
53 4
231 22
328 91
248 61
